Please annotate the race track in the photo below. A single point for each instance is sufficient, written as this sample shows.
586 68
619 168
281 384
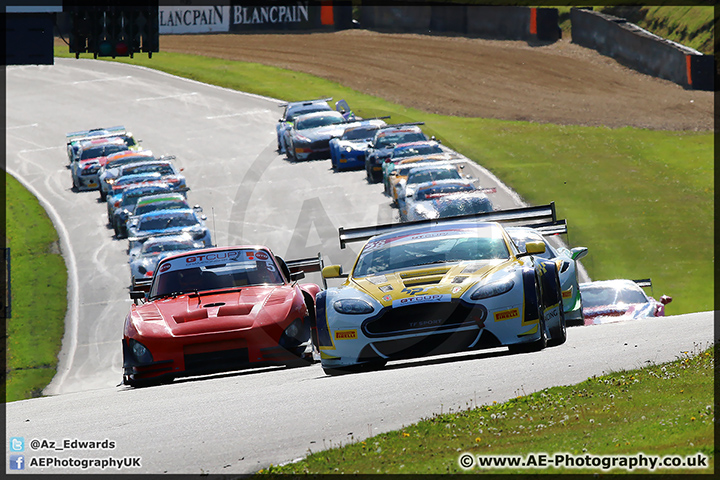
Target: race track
240 422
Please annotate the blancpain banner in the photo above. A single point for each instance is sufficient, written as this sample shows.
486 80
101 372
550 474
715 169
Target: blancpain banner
270 14
194 19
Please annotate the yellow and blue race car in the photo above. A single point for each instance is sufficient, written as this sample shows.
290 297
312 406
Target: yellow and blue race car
440 286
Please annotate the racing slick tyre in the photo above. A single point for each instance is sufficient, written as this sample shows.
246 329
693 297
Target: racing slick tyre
371 178
542 342
558 333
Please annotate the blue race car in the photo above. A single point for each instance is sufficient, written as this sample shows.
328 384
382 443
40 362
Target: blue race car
348 151
381 146
292 110
168 222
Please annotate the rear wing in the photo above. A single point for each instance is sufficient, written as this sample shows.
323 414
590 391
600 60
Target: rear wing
305 102
397 125
307 265
645 283
86 134
542 216
143 285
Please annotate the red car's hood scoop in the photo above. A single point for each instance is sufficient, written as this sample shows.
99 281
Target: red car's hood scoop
191 314
213 310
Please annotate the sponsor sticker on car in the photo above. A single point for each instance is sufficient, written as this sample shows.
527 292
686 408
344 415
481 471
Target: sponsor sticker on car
506 314
438 298
345 334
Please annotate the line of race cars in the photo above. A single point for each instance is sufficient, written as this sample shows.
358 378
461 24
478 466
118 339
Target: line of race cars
146 196
433 283
423 178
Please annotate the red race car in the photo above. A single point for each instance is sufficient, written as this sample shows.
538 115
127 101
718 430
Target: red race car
219 309
618 300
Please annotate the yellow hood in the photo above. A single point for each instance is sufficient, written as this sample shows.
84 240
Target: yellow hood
453 279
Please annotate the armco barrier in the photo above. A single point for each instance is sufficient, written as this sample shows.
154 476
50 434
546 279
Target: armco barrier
396 18
494 22
641 50
448 19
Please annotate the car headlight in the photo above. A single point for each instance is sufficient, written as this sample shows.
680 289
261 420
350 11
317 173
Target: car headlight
348 149
493 289
140 352
352 306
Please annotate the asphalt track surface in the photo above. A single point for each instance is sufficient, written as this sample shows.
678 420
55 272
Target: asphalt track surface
243 421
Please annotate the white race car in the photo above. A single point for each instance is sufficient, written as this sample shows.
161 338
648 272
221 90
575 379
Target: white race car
440 286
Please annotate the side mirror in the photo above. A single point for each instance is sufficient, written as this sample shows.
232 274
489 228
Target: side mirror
533 248
138 295
665 299
332 271
203 217
198 208
578 252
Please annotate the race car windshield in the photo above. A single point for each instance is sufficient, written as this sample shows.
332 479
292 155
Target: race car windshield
162 169
433 175
600 296
430 248
151 207
293 114
102 151
419 150
359 133
216 270
126 180
320 121
161 223
401 137
151 248
125 160
428 193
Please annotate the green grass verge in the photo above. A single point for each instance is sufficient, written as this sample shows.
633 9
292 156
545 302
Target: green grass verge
39 294
621 413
